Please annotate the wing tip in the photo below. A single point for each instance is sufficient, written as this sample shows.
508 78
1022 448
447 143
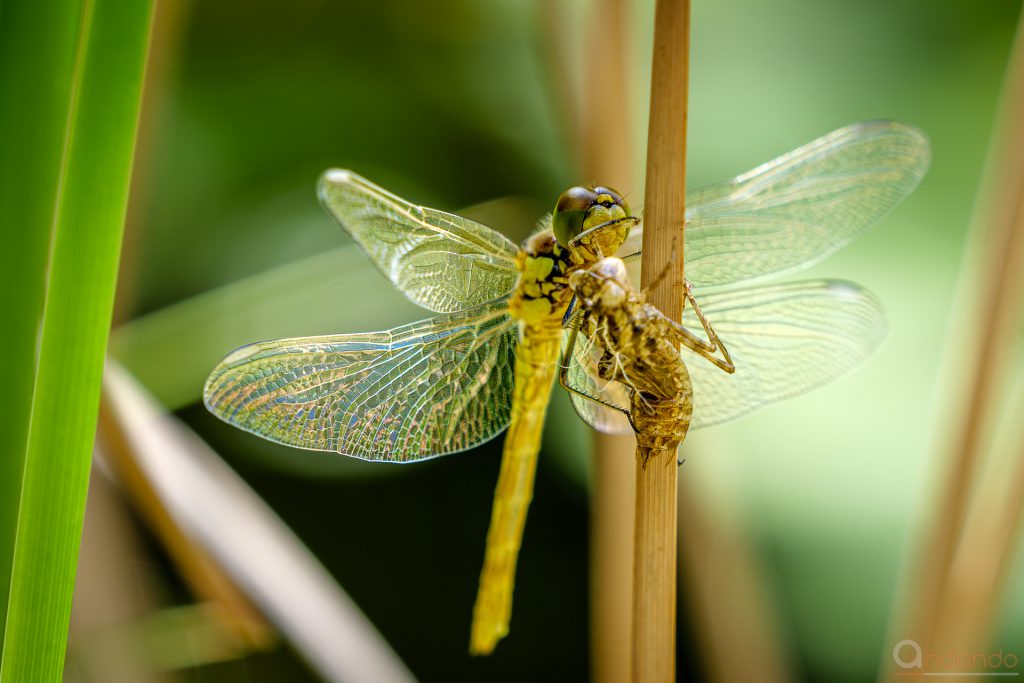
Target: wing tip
859 295
332 178
337 176
229 361
240 354
915 140
210 390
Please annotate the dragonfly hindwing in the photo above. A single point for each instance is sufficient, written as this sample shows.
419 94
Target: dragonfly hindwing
430 388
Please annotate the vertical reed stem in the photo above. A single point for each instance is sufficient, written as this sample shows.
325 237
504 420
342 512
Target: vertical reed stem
654 570
604 125
654 580
611 557
724 589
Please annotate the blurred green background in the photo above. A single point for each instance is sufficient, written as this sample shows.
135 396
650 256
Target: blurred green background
456 102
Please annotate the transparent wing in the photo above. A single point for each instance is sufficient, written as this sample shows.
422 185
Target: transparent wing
794 211
785 340
414 392
583 377
440 261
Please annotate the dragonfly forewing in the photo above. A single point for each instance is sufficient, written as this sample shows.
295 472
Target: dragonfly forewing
795 210
418 391
440 261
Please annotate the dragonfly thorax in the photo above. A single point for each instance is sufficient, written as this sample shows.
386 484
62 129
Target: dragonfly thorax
545 267
543 293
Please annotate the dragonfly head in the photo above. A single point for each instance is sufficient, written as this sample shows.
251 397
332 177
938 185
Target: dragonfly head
602 286
582 208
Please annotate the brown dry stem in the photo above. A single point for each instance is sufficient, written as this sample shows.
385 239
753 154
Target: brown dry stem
998 304
654 581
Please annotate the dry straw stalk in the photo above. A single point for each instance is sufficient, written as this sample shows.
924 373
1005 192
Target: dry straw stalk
654 581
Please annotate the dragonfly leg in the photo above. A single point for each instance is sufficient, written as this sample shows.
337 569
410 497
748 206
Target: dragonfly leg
563 374
727 363
587 238
571 313
704 348
563 369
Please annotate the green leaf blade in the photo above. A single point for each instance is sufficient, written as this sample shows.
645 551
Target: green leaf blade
84 248
30 170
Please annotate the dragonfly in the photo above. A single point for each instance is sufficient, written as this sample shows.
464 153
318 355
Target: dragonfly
443 385
487 361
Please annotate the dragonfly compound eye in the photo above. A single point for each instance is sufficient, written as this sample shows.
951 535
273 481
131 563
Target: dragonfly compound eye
580 209
571 212
609 198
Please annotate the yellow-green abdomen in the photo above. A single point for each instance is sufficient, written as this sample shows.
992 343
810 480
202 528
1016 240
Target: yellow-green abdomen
536 362
539 304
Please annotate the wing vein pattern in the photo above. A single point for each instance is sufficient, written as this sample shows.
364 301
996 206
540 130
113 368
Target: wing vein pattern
418 391
440 261
795 210
784 339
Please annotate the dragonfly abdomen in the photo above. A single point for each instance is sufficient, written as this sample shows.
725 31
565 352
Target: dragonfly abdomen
536 361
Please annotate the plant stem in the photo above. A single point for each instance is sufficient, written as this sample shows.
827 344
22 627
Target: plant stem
604 125
725 590
984 558
974 567
654 569
611 557
204 576
654 581
999 302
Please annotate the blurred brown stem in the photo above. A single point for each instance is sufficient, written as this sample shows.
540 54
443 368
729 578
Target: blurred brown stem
605 159
169 22
725 591
611 557
654 580
999 304
984 558
204 576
